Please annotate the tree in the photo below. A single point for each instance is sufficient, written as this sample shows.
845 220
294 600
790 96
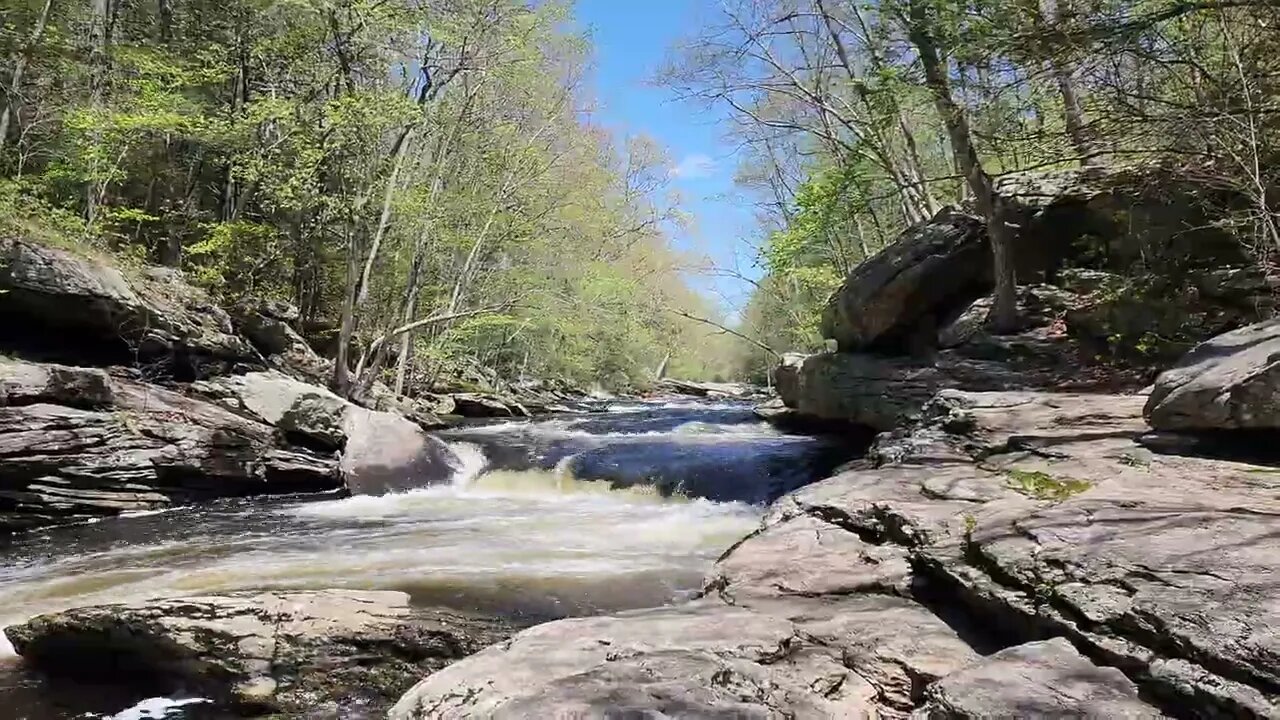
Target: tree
921 19
419 178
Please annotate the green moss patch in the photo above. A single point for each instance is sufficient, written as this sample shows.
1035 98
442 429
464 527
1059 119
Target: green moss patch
1043 486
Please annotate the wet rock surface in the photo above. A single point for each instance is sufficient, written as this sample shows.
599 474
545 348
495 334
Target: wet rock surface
1010 554
79 443
331 653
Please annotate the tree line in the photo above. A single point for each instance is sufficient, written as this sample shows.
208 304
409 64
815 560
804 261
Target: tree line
860 119
423 179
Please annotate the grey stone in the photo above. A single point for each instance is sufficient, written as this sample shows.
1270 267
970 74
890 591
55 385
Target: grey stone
381 451
1028 509
812 658
69 306
863 389
77 444
293 654
806 556
25 383
482 405
267 325
1047 679
1229 382
928 270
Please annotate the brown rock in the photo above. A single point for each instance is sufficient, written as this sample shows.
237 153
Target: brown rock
331 653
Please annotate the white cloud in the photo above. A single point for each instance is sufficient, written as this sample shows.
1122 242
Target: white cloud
692 167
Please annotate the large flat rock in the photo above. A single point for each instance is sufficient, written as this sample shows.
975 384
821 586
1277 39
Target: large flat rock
812 658
328 653
1042 515
1036 680
807 556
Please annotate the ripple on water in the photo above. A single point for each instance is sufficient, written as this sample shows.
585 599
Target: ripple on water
521 541
540 542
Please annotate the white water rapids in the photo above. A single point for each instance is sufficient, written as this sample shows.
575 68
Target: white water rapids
527 541
554 517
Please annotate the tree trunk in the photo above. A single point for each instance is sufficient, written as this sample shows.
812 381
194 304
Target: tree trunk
20 60
1072 106
1004 314
406 340
99 45
164 9
661 372
341 370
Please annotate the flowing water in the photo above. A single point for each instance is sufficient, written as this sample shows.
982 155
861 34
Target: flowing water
542 519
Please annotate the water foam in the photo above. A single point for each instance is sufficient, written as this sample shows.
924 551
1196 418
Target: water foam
156 708
566 429
6 648
471 461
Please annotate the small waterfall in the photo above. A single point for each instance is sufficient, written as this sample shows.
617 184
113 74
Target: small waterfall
468 462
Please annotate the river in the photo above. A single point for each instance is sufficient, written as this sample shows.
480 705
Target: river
542 519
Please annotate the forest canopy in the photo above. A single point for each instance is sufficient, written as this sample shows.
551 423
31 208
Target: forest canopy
859 119
423 179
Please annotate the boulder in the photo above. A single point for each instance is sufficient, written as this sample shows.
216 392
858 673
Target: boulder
482 405
929 269
1230 382
1084 281
25 383
76 444
786 375
309 414
381 451
1117 218
328 653
79 308
1039 514
811 658
1040 679
386 452
737 391
866 390
268 325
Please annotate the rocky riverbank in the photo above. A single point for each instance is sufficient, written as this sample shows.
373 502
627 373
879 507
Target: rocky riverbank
132 390
333 653
1016 554
1031 535
1033 532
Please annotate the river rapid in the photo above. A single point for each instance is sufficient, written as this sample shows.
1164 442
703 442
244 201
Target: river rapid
542 519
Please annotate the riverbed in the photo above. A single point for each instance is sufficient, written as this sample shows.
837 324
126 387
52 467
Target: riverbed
542 519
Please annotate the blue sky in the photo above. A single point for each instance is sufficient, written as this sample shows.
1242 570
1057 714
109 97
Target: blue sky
632 38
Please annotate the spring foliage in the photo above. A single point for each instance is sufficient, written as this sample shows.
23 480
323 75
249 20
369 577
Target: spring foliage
857 117
373 162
